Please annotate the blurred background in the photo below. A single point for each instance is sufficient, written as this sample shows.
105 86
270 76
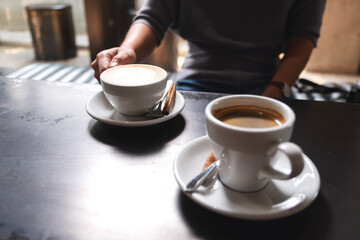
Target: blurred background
100 24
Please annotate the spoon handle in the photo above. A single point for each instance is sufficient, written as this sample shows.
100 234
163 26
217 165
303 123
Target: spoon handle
200 178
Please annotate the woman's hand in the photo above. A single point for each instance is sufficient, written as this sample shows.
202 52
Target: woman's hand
112 57
138 44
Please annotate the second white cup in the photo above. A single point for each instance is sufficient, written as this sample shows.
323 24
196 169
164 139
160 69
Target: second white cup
246 133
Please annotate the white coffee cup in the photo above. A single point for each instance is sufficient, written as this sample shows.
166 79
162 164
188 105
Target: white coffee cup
247 154
134 89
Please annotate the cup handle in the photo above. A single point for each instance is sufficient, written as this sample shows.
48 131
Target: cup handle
295 156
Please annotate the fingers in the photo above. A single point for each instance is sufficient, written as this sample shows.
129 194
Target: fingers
111 58
124 56
102 61
94 66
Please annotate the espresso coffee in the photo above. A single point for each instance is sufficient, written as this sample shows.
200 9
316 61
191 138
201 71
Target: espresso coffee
249 116
133 75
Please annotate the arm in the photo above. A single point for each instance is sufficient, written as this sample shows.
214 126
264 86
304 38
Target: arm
296 56
138 44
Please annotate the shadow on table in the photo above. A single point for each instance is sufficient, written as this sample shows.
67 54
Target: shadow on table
139 140
312 223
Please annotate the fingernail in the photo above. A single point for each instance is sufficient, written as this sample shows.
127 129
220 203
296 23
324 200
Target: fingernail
113 64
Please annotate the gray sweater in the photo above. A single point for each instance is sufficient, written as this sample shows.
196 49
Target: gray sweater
233 44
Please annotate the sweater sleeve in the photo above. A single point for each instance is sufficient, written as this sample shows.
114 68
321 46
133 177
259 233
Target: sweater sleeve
159 15
305 19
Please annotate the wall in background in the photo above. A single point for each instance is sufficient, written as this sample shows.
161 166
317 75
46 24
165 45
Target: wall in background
338 49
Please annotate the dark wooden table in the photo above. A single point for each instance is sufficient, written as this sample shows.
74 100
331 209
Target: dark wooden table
64 175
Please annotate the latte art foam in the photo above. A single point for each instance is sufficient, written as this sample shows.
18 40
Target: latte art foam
133 75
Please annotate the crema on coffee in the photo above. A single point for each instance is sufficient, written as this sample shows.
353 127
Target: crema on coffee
133 75
249 116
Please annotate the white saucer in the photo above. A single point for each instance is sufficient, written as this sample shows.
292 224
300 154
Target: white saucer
278 199
100 109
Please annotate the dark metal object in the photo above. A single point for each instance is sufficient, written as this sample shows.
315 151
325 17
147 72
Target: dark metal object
52 31
107 23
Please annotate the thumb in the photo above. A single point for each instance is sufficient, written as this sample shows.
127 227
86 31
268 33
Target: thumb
114 62
124 56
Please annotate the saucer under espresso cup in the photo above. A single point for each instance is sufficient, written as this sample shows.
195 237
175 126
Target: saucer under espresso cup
279 198
247 134
134 89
